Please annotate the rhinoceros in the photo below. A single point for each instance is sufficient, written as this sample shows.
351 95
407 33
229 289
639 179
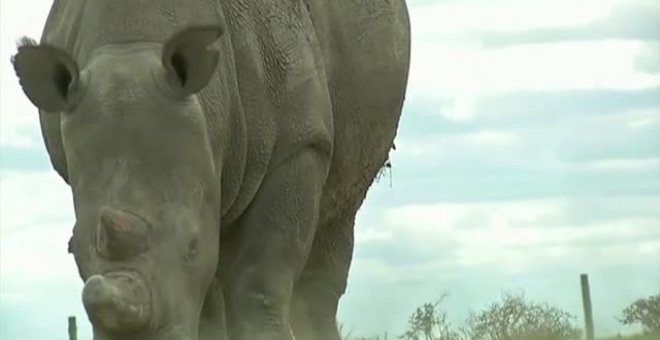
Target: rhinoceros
217 153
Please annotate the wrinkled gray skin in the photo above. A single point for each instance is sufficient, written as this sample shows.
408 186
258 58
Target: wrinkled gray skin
217 152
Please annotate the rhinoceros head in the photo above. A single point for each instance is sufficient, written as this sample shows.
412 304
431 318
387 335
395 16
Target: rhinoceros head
143 176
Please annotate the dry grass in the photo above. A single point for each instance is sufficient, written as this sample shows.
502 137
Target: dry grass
634 337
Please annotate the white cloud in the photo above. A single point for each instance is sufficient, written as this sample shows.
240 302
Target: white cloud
441 218
376 268
448 63
648 164
493 138
364 235
644 118
19 118
466 72
36 219
507 16
615 138
38 255
485 144
432 20
648 59
521 236
29 199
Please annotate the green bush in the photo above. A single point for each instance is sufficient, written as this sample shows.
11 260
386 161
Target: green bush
428 322
515 318
644 311
347 335
633 337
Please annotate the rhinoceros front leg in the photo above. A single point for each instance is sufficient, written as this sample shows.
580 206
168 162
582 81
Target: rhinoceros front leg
275 237
212 323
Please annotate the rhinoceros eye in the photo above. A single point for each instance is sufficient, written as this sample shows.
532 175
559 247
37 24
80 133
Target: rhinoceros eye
191 250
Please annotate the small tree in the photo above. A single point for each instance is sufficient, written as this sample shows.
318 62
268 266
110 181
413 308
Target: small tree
514 318
345 335
428 322
645 311
348 335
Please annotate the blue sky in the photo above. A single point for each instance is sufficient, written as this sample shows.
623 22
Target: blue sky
528 153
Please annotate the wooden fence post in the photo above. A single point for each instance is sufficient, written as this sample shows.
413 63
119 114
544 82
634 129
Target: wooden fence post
73 332
586 304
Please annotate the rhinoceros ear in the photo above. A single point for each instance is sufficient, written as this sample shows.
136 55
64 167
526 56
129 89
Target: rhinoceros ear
188 59
45 74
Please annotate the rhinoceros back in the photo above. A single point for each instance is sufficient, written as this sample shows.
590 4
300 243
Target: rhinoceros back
367 49
366 45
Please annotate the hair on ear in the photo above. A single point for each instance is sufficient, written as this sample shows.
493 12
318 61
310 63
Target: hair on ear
26 41
45 73
21 43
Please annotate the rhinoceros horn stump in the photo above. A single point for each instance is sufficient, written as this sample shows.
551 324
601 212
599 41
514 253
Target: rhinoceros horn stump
121 236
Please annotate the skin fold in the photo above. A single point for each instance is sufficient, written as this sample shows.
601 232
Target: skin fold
217 153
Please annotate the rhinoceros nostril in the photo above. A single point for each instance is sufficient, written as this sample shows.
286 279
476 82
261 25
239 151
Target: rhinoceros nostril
121 236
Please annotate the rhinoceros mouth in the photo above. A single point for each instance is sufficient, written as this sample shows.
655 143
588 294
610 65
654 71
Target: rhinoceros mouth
118 301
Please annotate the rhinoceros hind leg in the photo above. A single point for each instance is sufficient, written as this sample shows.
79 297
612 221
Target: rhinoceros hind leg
323 282
213 325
